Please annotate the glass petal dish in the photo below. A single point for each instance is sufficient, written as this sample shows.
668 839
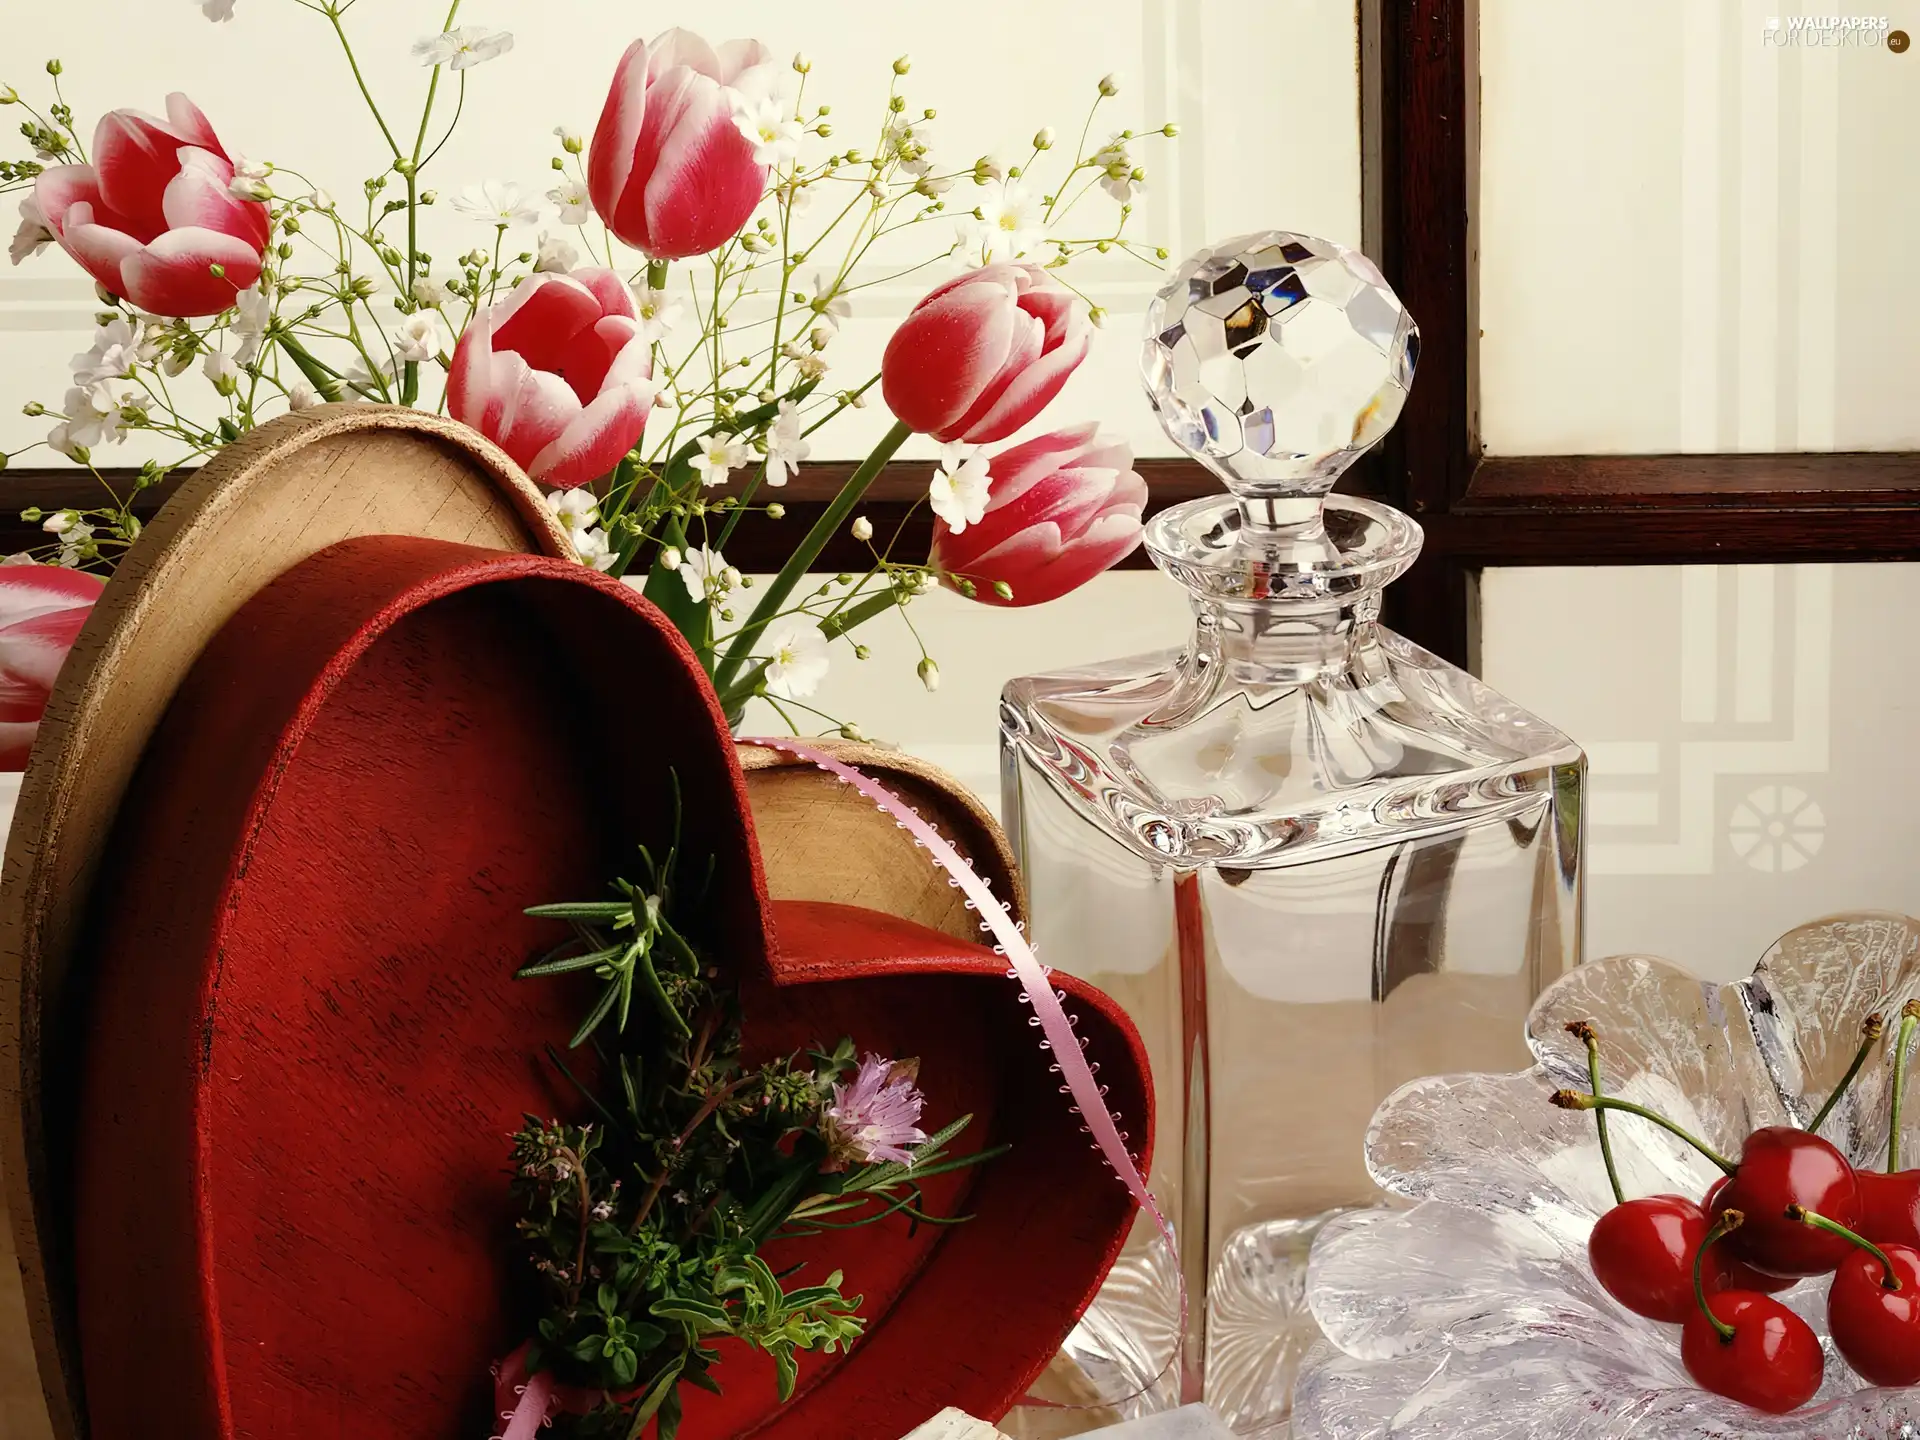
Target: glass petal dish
1467 1310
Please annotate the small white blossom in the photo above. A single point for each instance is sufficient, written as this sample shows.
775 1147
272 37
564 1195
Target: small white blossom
659 312
222 370
416 339
302 396
463 48
249 187
786 447
1005 226
360 380
116 350
929 674
1118 177
829 302
796 656
75 535
576 509
809 364
33 236
555 254
958 492
429 292
1110 83
216 9
318 199
718 454
670 558
908 142
92 418
796 195
497 202
767 123
593 548
574 202
253 314
703 572
862 528
571 140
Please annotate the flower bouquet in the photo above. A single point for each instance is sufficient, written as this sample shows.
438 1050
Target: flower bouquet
659 359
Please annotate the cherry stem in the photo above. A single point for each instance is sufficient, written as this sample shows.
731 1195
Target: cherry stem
1816 1221
1869 1037
1909 1017
1583 1030
1574 1100
1729 1221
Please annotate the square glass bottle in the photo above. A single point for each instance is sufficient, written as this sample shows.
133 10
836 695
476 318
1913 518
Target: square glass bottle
1314 861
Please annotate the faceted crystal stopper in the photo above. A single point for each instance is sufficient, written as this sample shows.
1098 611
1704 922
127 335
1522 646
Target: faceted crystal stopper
1277 360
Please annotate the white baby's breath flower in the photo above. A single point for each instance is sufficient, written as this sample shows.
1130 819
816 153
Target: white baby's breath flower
1006 224
929 674
908 143
593 548
796 656
463 48
222 370
786 447
808 364
302 396
253 314
497 202
958 492
1118 175
92 418
576 509
862 528
429 292
416 339
34 235
554 254
573 201
767 123
571 140
796 195
829 301
718 454
216 9
115 352
703 572
658 311
359 380
318 199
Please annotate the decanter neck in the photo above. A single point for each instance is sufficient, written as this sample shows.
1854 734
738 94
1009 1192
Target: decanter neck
1283 590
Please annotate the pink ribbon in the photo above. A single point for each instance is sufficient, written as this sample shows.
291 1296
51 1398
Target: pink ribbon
1087 1094
533 1400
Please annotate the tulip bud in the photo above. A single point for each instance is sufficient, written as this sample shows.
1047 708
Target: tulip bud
862 528
1110 83
670 558
776 511
1044 139
929 674
903 65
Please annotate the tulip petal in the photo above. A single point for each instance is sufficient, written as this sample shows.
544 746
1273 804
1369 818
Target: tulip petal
595 440
58 189
1017 468
27 591
535 407
471 397
702 183
1029 391
608 288
100 250
678 47
1029 345
611 157
944 354
199 195
31 654
16 741
1040 566
172 275
541 316
589 355
192 126
133 156
738 58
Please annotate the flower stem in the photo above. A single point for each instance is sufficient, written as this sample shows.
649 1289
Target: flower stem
1815 1221
1729 1221
1909 1017
1574 1100
1583 1030
806 553
1870 1032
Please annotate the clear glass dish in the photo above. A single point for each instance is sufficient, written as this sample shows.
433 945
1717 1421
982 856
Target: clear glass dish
1469 1311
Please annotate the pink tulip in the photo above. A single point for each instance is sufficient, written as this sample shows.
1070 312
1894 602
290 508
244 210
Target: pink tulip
982 355
1061 508
42 608
557 375
153 214
670 170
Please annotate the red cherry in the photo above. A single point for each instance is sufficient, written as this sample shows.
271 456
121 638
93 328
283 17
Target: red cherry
1642 1252
1780 1166
1877 1329
1736 1273
1890 1206
1772 1362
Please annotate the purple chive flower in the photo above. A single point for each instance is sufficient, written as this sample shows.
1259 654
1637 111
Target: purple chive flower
876 1118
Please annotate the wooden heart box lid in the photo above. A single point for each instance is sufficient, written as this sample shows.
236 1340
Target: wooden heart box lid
303 1050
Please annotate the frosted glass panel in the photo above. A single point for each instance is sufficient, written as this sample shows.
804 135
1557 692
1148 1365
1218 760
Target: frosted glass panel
1750 731
1695 231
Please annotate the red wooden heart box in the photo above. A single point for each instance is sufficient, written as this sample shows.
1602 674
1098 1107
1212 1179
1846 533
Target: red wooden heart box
306 1051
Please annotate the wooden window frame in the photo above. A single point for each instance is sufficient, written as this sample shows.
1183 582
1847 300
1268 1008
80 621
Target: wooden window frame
1420 86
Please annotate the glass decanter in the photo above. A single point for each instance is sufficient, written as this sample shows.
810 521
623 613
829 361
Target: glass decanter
1313 860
